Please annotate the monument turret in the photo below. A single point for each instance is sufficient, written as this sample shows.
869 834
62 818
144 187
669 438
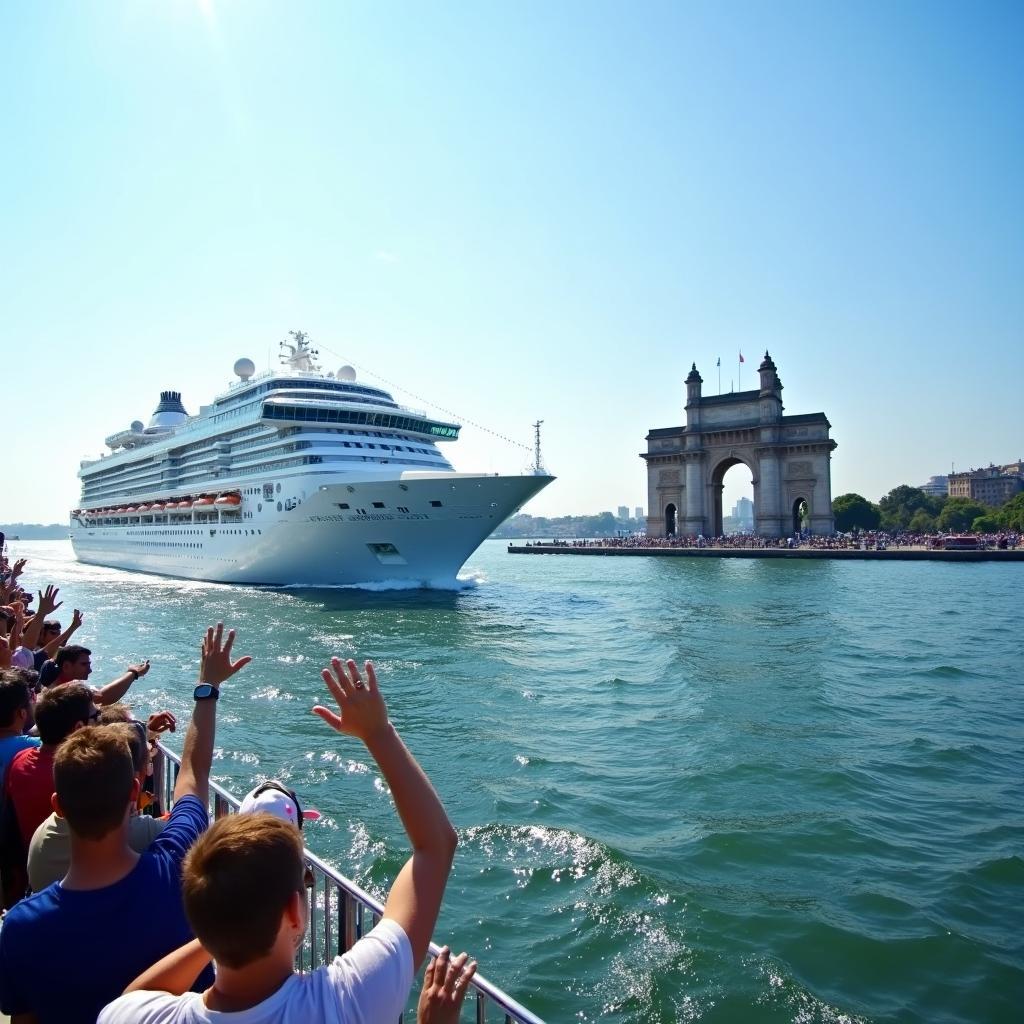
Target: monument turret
771 391
693 383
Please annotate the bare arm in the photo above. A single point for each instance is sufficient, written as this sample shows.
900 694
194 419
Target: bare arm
215 666
24 1018
47 605
415 896
175 973
113 692
54 645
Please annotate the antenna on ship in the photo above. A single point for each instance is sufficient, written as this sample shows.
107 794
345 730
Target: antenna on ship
299 354
538 466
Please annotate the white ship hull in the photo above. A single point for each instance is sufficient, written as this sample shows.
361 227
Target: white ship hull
414 526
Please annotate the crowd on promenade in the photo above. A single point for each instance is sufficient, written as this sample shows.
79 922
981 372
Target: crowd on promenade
119 911
866 540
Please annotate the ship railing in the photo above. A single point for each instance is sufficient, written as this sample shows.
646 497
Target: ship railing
340 911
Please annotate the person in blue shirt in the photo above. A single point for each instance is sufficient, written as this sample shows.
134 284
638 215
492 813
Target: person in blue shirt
69 950
15 720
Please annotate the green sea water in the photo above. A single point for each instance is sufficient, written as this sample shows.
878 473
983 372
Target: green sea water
686 790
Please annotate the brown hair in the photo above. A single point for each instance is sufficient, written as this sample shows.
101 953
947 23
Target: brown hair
93 774
60 709
14 697
237 882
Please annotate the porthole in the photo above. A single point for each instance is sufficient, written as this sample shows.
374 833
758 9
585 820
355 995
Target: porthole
279 506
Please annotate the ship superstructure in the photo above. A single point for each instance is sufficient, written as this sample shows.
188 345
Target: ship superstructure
293 476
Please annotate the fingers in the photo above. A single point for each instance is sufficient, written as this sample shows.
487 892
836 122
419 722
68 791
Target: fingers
228 644
333 720
371 677
241 663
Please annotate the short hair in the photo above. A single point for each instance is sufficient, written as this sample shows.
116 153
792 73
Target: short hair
93 775
14 697
60 709
70 653
50 626
237 882
111 714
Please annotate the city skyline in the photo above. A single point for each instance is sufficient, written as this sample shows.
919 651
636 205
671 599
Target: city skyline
520 214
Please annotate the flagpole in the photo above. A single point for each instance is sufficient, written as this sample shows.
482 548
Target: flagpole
719 374
739 372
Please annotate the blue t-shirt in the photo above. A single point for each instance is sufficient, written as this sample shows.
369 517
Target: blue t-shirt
66 953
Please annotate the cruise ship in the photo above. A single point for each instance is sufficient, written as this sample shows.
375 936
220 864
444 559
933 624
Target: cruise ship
290 477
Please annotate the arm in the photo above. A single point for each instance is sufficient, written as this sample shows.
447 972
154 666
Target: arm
47 605
415 896
52 647
113 692
215 666
24 1018
175 973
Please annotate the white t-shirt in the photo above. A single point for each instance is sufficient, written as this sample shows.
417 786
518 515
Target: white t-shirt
369 984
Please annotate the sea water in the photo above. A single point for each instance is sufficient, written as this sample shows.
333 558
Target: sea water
685 790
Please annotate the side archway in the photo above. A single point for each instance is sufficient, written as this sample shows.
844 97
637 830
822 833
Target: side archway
801 514
670 520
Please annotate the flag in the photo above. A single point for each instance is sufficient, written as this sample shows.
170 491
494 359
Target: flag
742 360
719 363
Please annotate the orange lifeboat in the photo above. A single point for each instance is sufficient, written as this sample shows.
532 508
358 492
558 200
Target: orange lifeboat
203 502
227 501
157 506
143 508
131 510
184 506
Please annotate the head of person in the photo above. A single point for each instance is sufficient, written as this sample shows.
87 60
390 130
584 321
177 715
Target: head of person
15 702
95 781
74 663
49 632
243 889
273 797
62 710
137 735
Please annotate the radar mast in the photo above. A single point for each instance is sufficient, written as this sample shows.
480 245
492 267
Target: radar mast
298 354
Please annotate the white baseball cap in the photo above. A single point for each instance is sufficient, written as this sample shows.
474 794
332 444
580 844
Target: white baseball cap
272 797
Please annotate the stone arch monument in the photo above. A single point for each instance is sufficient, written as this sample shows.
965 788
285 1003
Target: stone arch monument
789 458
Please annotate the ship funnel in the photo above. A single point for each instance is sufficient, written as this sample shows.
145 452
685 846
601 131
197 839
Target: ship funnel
169 413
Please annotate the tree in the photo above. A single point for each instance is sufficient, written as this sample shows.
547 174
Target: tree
900 504
1011 513
960 513
854 512
921 522
986 524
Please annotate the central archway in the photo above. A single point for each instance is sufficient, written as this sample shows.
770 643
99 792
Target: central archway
717 486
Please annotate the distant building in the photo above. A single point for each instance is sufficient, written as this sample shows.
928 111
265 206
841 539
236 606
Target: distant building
991 486
743 515
639 513
623 511
937 486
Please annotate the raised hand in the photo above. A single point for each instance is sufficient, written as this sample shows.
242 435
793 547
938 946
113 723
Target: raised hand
77 619
18 568
215 664
363 711
445 983
48 602
162 721
141 669
5 653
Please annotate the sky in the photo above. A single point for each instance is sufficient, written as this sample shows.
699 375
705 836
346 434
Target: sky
512 212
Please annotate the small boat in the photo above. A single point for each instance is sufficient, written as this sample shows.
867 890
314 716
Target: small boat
228 501
157 506
204 501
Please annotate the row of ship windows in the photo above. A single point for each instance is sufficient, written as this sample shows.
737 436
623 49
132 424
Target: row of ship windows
377 419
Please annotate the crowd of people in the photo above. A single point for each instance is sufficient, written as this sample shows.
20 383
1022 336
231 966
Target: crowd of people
119 911
865 540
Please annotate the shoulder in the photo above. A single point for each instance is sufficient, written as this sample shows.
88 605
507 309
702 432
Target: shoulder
377 971
152 1008
25 758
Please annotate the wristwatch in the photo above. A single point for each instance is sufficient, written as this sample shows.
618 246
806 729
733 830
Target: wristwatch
206 691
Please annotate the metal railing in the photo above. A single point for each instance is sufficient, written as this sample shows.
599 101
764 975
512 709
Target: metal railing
340 911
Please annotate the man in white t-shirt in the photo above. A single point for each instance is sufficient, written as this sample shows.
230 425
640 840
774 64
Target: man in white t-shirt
245 899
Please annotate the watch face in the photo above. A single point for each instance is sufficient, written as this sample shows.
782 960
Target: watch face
204 691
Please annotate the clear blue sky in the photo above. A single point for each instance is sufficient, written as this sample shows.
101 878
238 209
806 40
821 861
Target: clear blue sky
518 211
